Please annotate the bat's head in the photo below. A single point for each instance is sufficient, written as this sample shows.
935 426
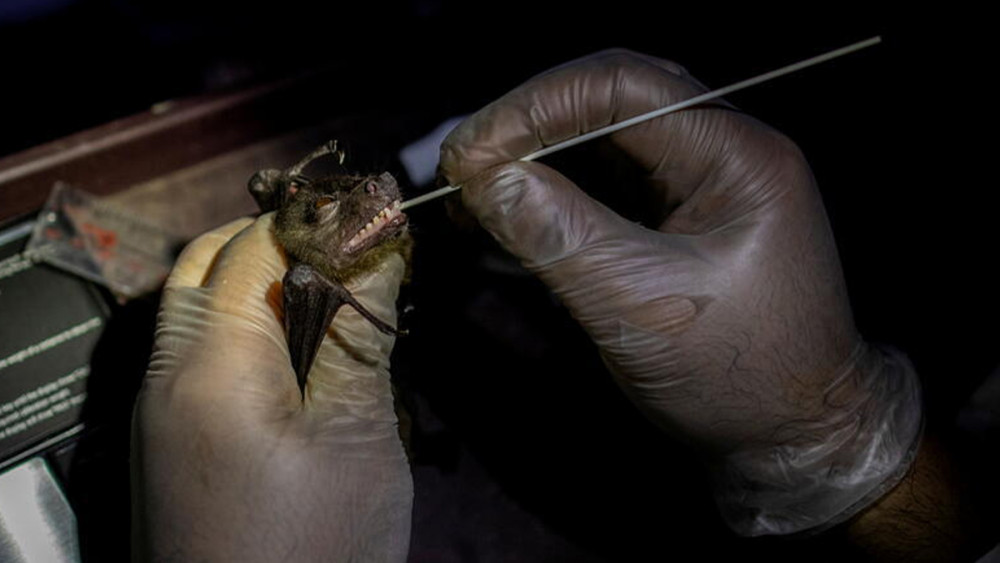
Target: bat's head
343 224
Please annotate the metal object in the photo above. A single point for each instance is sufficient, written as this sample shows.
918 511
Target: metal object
37 524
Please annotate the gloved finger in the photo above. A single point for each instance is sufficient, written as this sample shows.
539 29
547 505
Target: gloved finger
350 376
245 286
195 261
609 272
231 328
248 268
704 167
541 216
576 98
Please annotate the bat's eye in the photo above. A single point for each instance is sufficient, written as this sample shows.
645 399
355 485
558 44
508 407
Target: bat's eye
324 201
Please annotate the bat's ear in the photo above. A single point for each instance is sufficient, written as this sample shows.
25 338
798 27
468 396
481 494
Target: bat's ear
265 187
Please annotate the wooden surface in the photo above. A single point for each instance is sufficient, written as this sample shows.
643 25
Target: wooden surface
184 165
191 200
173 136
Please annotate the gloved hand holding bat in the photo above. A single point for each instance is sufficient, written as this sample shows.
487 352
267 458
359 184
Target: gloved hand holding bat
231 460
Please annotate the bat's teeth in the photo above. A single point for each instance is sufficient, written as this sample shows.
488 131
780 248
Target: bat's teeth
388 213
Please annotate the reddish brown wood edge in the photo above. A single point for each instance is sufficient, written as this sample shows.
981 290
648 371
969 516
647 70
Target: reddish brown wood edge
169 136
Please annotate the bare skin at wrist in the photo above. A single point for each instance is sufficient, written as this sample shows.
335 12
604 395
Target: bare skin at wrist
929 516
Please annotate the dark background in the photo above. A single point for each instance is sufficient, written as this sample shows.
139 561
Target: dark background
533 454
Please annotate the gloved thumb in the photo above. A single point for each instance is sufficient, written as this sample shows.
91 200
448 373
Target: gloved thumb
538 214
350 377
624 283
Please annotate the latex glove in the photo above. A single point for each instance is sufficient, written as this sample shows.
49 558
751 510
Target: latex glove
229 462
725 317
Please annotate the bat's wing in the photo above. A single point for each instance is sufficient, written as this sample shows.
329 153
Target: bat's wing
311 301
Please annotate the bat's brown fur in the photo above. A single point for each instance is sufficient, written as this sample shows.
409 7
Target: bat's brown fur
333 229
319 241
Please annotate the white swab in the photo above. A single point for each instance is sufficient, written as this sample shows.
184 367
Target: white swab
668 109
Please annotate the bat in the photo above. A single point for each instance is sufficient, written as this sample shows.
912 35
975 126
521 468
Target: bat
333 229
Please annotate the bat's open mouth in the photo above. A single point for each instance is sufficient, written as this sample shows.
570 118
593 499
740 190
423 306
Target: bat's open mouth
386 223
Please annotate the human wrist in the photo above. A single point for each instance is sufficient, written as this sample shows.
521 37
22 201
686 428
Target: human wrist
858 449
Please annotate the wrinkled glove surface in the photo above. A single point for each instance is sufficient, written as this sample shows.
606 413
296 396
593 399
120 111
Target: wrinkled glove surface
230 462
725 318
